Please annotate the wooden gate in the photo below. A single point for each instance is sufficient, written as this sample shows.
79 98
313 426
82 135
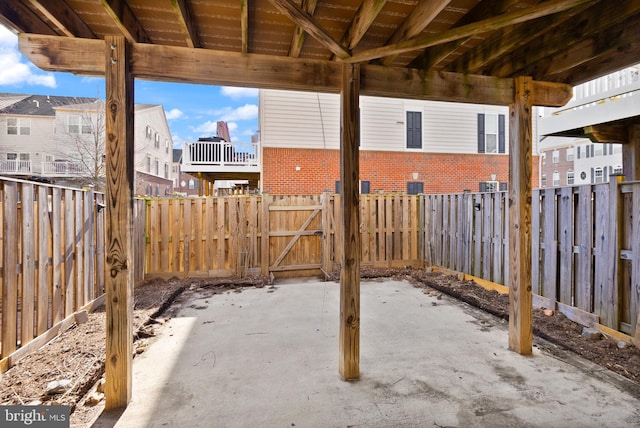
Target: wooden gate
295 233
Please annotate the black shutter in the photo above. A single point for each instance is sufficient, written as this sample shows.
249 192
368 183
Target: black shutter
414 130
338 187
365 187
483 186
578 152
501 148
480 132
592 176
503 187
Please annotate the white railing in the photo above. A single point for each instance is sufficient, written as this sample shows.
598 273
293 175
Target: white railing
17 167
63 169
213 153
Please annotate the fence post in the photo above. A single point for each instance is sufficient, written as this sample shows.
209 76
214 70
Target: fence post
612 296
264 235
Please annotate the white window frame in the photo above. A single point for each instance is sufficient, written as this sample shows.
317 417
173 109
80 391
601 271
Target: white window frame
21 126
73 124
555 156
571 178
148 132
157 141
555 179
598 175
570 154
598 149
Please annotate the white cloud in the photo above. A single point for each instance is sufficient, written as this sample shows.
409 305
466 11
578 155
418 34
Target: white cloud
245 112
15 72
237 93
174 113
208 127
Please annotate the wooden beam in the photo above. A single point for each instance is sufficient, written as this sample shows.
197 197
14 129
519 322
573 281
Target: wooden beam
307 23
125 20
119 278
364 17
594 20
16 15
297 40
494 23
607 133
511 39
421 16
188 24
63 17
520 265
180 64
244 25
349 348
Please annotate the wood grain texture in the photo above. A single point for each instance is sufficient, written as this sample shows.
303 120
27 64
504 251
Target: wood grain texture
29 240
10 271
44 234
520 153
120 270
349 340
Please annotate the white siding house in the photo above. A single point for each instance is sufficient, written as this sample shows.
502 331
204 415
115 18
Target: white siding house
390 128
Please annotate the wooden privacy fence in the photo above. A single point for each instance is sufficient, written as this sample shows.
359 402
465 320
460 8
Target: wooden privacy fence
274 234
52 261
585 246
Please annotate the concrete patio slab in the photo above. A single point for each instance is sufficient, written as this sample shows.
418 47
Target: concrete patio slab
269 358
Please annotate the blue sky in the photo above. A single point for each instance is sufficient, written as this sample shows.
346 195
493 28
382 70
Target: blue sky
192 110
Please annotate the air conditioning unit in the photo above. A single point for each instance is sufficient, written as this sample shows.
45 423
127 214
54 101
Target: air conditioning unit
489 186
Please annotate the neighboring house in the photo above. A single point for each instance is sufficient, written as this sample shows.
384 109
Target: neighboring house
405 146
183 183
568 156
62 139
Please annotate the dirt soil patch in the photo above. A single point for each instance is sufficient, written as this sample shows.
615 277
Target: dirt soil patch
78 354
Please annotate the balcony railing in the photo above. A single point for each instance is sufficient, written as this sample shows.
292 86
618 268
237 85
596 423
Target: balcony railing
212 155
15 167
63 169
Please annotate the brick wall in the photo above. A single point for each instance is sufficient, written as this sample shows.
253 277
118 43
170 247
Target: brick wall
387 171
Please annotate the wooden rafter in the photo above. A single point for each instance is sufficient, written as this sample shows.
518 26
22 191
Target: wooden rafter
364 17
597 18
511 39
63 17
187 23
124 18
19 17
244 24
297 40
495 23
607 133
307 23
180 64
423 14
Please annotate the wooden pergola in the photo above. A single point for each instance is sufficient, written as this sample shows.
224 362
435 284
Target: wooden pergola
519 53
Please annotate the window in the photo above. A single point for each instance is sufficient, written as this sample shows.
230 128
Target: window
148 160
157 167
415 187
192 183
414 130
166 170
598 149
543 180
166 145
555 157
556 178
570 178
491 133
12 156
86 125
569 154
48 158
148 132
617 169
74 125
18 126
544 158
598 175
157 141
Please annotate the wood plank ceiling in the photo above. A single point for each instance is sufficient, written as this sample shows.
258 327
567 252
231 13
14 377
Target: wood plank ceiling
568 41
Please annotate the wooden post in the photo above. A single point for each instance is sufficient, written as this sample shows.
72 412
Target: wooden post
631 154
349 349
520 153
119 267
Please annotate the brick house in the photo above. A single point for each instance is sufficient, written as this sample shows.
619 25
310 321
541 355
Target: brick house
406 145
